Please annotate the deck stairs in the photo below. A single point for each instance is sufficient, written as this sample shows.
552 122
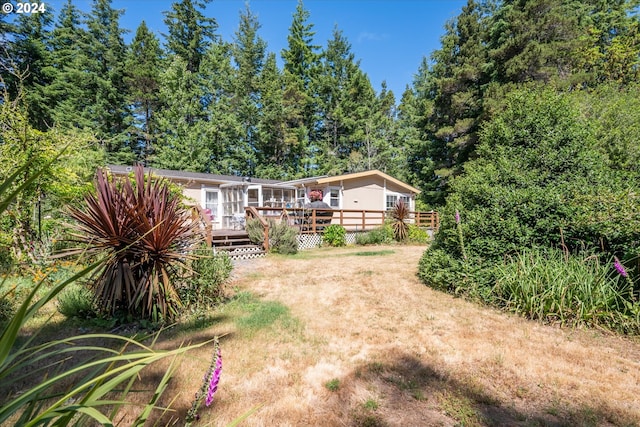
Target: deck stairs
236 244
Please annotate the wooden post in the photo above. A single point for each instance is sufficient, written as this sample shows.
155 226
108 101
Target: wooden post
433 223
313 221
364 214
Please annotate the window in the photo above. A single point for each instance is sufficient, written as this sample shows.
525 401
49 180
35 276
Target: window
211 204
393 198
391 201
252 195
334 197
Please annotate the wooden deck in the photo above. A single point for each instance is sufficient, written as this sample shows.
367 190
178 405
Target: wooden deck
313 221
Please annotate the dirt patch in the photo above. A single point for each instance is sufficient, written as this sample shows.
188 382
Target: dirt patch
367 344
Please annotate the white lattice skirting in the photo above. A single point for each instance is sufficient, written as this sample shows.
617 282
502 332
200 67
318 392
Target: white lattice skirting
245 253
310 241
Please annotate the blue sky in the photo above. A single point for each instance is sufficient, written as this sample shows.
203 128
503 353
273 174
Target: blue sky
389 37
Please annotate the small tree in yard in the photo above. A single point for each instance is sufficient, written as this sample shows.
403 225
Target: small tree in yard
145 232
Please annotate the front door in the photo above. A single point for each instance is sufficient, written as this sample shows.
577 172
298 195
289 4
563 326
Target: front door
212 205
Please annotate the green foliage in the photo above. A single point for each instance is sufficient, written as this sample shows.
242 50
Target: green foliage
73 393
489 49
77 301
283 239
335 235
204 288
545 284
537 161
255 230
7 309
377 236
60 182
144 233
333 385
540 181
417 234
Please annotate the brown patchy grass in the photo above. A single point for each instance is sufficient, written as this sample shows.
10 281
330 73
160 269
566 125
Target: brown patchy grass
395 353
402 354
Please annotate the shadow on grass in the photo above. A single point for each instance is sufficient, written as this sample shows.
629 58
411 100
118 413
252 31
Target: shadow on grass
407 390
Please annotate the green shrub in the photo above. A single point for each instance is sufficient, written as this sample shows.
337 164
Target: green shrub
7 309
283 239
204 288
335 235
417 234
101 382
255 231
545 284
377 236
77 301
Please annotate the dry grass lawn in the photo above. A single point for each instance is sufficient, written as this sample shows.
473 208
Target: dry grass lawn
357 340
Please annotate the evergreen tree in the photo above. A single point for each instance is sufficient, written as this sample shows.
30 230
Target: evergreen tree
142 78
301 69
182 124
29 58
281 133
70 93
190 32
347 100
380 148
450 101
248 52
105 68
223 128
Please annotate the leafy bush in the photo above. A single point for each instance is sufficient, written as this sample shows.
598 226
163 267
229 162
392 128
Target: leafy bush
255 231
335 235
283 239
377 236
145 232
204 288
539 181
7 309
417 234
77 301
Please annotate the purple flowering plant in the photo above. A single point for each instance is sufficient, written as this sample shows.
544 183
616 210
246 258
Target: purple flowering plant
619 267
209 385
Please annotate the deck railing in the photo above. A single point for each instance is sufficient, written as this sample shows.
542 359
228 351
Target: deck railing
312 220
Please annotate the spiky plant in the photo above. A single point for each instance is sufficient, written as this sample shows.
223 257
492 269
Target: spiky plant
146 233
400 215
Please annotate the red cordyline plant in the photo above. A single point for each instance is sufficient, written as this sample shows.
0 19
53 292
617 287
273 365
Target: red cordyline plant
146 234
400 215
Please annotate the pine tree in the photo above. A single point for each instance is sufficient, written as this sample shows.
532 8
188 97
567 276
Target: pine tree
281 132
106 60
301 69
190 32
182 124
70 93
29 60
248 52
347 100
142 77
